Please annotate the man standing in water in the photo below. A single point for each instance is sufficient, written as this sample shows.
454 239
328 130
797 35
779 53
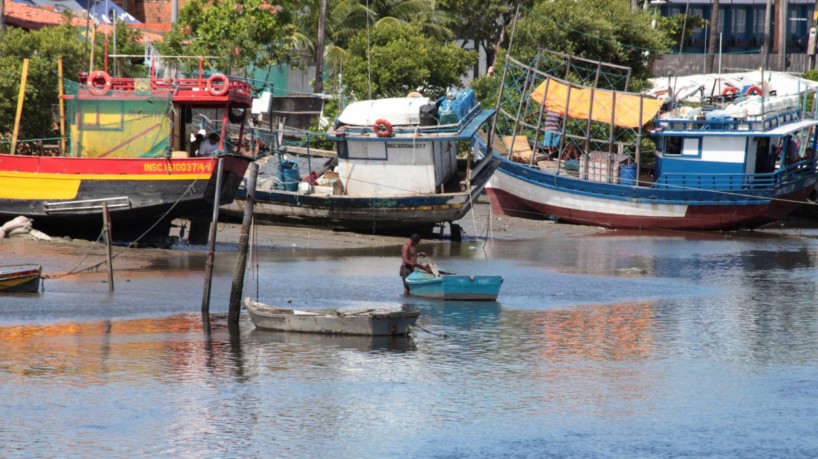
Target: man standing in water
409 262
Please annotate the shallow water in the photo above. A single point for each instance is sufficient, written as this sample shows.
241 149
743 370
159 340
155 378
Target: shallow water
608 345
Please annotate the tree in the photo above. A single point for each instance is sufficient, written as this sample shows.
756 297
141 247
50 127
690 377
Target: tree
402 59
486 22
713 38
344 19
42 48
604 30
238 32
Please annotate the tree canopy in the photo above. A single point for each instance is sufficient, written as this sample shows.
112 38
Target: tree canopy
401 60
237 32
604 30
42 48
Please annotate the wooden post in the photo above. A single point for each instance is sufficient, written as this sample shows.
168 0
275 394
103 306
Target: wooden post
106 219
61 92
20 97
212 247
241 260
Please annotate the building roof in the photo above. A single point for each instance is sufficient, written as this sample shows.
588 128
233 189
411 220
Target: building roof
34 18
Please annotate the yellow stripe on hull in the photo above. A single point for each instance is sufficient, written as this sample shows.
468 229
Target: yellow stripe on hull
27 186
35 186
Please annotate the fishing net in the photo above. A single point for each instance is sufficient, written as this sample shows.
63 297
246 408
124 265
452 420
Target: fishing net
131 122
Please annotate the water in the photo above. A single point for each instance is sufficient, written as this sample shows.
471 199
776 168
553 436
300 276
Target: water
606 345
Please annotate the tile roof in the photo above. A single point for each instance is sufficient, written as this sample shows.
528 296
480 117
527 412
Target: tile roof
33 18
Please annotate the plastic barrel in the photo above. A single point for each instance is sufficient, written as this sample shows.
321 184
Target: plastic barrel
288 175
627 174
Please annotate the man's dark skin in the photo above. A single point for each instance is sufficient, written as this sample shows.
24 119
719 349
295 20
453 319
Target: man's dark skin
409 258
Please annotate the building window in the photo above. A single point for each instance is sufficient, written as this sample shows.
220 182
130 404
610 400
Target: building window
740 21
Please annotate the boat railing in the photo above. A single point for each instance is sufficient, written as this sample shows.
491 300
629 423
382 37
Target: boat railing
191 90
736 182
750 123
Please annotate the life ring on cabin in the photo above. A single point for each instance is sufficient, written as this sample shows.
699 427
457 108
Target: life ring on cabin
214 81
107 82
382 127
729 90
753 90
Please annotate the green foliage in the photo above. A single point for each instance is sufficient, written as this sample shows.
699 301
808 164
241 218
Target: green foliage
401 60
603 30
679 27
42 47
811 75
486 89
128 41
238 33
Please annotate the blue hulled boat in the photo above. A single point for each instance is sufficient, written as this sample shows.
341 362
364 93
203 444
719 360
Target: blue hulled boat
601 156
454 287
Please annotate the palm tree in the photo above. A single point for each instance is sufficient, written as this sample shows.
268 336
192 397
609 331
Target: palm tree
346 18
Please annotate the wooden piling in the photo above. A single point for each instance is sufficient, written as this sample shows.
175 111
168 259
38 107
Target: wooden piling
211 253
244 241
106 219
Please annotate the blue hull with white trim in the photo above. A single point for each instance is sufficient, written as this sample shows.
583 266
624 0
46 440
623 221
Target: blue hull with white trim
454 287
750 162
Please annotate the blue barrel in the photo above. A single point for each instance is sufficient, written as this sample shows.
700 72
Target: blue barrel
627 174
288 175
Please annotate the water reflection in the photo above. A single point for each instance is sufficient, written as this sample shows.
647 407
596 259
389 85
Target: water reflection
711 339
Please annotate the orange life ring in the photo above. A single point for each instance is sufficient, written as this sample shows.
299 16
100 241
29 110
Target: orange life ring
106 85
214 80
728 90
382 127
753 90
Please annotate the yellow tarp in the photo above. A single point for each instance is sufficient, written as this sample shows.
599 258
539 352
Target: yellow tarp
579 106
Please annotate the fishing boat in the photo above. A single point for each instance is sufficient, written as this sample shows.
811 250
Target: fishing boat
125 147
587 153
396 169
345 321
454 287
20 278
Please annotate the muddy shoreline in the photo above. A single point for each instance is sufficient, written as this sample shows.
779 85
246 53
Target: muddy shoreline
62 254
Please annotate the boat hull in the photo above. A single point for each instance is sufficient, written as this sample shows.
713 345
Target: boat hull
20 279
453 287
363 213
366 323
65 195
520 191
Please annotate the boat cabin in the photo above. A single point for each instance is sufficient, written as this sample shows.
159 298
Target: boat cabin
401 146
149 117
720 149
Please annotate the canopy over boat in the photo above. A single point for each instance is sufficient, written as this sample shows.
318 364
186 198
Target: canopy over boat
618 108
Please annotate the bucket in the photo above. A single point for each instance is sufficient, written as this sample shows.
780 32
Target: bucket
288 175
627 175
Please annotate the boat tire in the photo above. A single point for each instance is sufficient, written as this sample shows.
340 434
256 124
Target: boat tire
382 127
218 84
107 82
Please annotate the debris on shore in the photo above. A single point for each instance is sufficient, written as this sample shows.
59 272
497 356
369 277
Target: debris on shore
22 226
